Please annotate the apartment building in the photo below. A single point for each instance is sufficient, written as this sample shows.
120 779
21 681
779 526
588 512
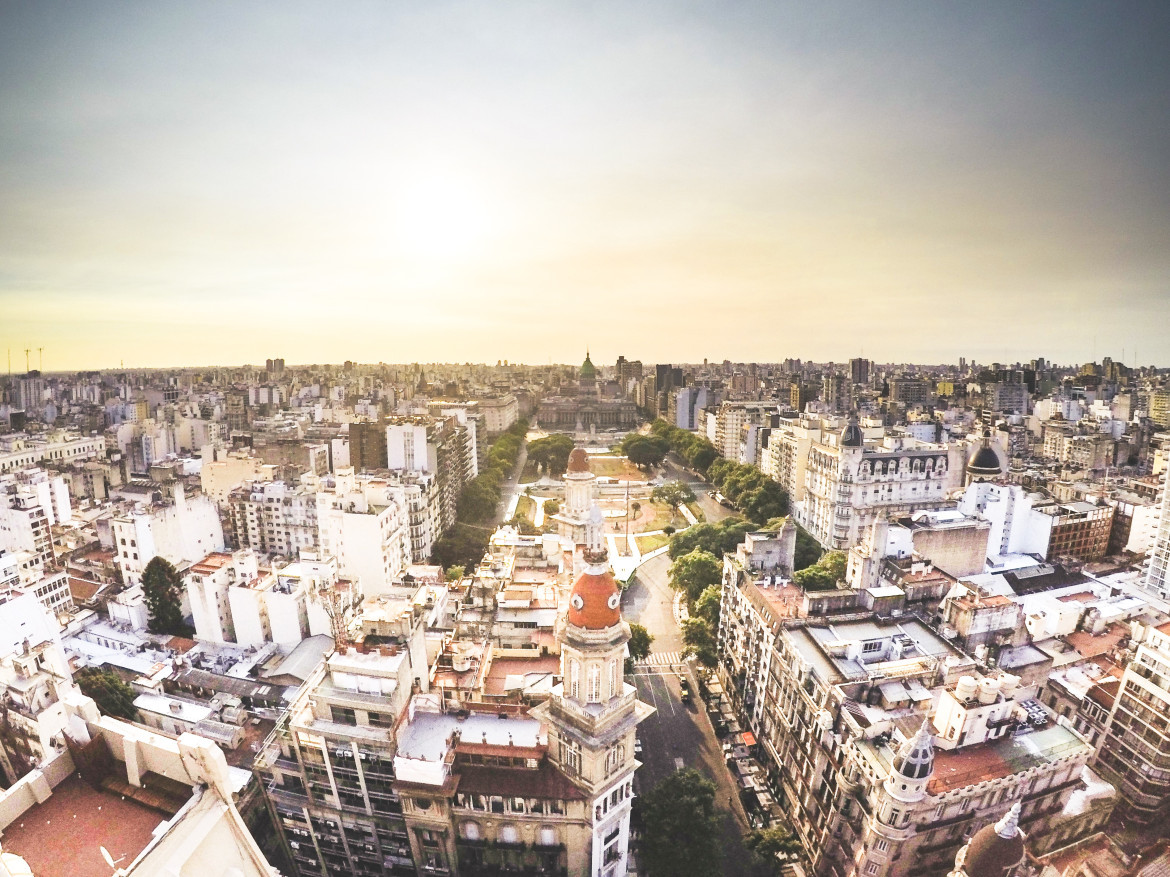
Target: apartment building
328 769
183 529
1136 753
441 447
849 481
20 451
1157 576
879 783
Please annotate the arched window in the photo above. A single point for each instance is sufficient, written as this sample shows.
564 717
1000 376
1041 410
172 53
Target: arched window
613 679
594 683
574 679
509 834
470 830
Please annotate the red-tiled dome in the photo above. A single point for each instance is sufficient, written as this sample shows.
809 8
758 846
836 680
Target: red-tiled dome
990 855
996 850
595 602
578 461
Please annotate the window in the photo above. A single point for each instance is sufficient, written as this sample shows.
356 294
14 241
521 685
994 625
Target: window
594 683
614 758
570 757
872 868
613 679
574 679
881 845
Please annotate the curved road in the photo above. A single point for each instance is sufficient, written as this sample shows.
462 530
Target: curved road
679 734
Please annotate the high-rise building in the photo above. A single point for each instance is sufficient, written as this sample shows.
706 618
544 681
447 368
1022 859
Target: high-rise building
859 370
367 446
1158 566
1136 752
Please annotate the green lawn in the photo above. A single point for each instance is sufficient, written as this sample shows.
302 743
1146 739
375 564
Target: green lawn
530 473
525 508
615 467
696 511
646 544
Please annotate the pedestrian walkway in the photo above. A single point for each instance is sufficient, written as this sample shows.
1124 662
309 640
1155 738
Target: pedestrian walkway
662 659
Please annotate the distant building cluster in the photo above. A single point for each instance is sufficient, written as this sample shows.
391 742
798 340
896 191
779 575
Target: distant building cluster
983 690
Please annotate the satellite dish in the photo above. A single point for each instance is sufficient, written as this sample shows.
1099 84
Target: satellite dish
110 860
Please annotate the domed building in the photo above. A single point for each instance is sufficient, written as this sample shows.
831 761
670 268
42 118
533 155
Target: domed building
994 850
580 492
593 715
587 404
984 464
851 435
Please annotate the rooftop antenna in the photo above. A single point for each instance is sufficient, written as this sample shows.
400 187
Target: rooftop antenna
27 351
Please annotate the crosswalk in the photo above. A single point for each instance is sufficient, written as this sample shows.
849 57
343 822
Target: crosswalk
662 659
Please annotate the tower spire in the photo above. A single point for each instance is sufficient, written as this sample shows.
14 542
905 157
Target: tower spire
1009 826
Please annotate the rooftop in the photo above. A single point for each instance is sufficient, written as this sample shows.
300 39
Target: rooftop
65 833
426 735
995 759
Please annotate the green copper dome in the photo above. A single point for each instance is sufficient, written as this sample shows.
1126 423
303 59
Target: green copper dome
588 369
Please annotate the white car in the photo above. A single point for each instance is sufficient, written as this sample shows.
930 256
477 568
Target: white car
637 746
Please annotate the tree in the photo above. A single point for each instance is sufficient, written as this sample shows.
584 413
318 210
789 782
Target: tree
463 544
161 587
673 493
773 846
551 507
551 453
808 550
112 696
455 572
707 606
682 830
639 644
718 538
824 574
700 642
645 451
693 572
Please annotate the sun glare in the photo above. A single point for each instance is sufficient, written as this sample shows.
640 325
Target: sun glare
441 218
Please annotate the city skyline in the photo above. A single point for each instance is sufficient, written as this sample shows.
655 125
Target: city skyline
453 183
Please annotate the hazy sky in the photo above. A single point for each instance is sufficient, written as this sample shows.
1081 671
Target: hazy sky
191 183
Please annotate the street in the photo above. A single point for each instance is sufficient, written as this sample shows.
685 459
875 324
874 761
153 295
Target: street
678 734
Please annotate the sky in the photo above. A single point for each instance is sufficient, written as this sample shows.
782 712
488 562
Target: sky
218 183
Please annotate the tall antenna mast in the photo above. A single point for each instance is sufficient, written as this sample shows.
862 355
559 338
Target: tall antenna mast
41 353
27 367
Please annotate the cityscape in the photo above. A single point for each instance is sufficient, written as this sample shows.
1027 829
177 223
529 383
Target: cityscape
584 440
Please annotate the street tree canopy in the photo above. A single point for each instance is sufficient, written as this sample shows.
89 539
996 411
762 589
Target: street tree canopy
673 492
639 644
645 451
718 538
773 846
693 573
682 831
700 641
551 453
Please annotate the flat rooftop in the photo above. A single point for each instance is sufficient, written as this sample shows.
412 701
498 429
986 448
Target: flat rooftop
425 736
969 765
63 835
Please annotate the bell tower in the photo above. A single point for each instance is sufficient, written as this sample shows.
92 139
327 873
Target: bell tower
593 714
